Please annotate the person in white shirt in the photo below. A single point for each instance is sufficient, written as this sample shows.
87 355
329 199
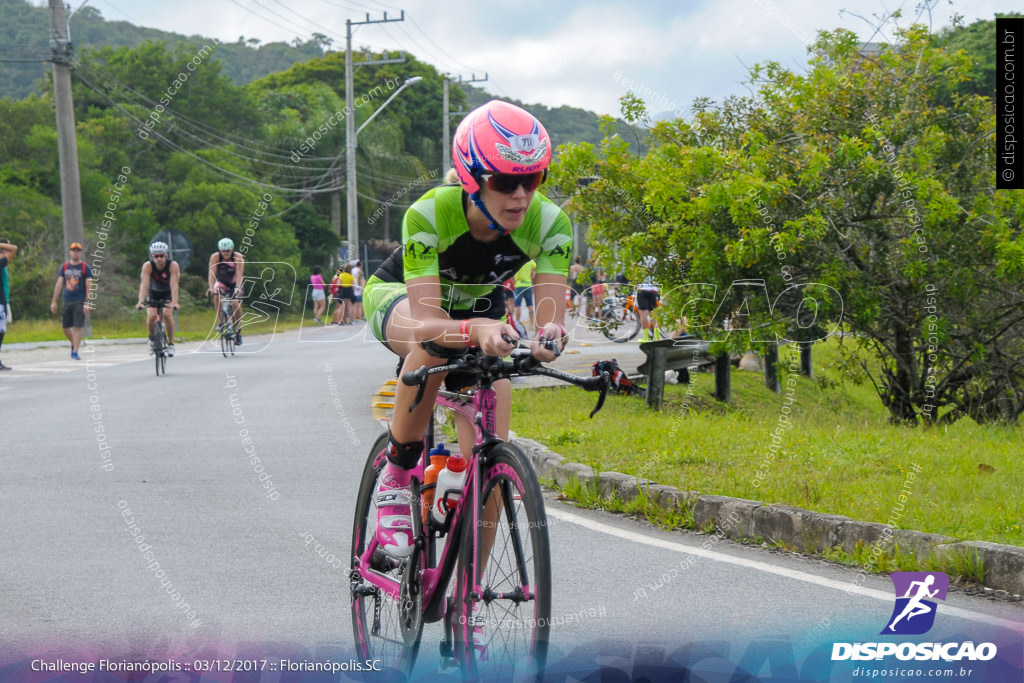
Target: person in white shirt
647 298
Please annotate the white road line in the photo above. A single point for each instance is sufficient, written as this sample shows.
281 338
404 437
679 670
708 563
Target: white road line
844 586
29 368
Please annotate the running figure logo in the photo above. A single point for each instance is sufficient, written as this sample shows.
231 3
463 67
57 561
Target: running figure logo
913 613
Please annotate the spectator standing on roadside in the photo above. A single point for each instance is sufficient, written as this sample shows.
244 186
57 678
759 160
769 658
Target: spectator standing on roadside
74 278
336 301
346 292
7 252
358 281
319 298
575 271
647 298
597 292
524 290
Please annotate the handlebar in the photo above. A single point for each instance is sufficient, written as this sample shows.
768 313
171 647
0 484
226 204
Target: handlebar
159 304
490 369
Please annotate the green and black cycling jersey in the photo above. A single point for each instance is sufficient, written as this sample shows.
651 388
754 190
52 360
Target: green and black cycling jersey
436 241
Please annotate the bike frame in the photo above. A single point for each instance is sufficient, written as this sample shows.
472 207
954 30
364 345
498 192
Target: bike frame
480 408
226 309
159 306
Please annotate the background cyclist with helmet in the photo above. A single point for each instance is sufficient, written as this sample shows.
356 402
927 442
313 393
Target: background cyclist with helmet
442 289
159 282
227 272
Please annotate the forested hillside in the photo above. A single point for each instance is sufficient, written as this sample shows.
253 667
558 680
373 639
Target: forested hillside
252 124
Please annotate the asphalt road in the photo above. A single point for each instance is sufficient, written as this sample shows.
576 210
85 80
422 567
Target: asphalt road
238 540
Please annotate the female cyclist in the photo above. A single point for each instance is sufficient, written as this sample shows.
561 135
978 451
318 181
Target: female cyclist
441 291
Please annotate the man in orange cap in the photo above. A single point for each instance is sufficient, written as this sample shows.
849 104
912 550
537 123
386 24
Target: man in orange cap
74 279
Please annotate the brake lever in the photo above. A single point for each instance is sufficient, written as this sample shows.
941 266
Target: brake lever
604 392
416 377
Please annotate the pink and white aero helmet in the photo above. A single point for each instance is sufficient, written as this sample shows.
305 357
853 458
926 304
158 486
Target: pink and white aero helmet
499 137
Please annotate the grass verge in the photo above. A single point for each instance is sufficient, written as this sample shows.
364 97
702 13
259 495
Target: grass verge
192 326
840 455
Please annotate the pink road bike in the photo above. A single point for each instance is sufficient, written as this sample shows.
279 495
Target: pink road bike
485 572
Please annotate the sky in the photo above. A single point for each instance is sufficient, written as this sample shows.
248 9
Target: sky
563 52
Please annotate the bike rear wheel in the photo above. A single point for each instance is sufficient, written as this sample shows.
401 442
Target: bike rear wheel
383 629
502 621
159 344
621 324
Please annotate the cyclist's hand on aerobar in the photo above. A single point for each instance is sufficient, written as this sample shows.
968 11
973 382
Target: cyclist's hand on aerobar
540 351
493 339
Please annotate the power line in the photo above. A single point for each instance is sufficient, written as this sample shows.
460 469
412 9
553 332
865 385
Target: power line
238 141
289 191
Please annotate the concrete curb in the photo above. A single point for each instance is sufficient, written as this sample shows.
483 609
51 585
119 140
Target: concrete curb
812 532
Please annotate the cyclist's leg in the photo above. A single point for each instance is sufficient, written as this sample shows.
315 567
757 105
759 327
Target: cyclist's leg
237 318
216 304
169 322
150 321
392 325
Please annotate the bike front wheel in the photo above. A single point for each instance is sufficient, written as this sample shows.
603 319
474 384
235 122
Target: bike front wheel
385 628
503 618
159 344
621 323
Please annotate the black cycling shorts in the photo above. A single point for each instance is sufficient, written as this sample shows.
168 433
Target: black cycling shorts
646 300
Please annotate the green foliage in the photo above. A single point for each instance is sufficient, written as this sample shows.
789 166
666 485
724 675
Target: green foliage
25 30
317 242
206 157
976 41
854 175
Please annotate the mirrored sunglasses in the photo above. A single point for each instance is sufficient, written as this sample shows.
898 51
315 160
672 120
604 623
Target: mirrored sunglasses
508 183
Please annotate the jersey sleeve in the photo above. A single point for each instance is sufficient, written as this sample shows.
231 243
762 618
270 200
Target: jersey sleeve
419 243
555 241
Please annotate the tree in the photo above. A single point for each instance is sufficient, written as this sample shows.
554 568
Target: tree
853 175
977 41
318 244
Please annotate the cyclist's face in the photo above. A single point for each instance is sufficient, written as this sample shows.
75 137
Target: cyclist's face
159 255
225 252
509 209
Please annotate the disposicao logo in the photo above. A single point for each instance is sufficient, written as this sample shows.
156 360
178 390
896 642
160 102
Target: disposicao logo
914 613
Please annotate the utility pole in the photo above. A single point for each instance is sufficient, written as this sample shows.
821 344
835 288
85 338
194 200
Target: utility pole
446 152
70 186
350 127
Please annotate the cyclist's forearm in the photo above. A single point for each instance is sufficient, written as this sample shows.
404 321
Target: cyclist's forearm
549 299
